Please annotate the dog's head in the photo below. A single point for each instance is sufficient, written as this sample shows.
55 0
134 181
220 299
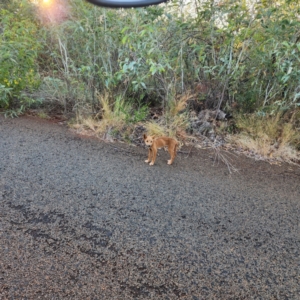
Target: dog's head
148 139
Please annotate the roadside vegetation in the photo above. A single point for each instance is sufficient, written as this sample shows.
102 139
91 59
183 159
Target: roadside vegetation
203 70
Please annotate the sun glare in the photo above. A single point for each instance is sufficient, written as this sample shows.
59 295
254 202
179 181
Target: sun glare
47 2
52 11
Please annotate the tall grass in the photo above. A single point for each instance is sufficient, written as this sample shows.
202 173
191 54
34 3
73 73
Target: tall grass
269 136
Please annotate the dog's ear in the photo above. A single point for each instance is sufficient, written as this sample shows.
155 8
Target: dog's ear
144 136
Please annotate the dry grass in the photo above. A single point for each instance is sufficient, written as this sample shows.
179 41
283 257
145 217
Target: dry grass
111 116
177 125
176 106
43 115
113 113
176 118
155 129
174 122
268 136
179 104
174 127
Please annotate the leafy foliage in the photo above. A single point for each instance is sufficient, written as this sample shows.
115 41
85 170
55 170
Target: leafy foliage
18 57
231 54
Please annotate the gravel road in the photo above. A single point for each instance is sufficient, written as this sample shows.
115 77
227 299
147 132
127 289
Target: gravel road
84 219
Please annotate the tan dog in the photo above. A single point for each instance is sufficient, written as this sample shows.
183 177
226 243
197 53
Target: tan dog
156 143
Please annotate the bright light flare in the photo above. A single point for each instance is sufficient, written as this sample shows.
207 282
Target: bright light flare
52 11
48 3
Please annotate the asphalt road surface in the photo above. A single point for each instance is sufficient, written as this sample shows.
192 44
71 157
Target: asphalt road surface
84 219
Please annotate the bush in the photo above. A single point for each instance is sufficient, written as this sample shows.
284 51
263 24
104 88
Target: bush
18 54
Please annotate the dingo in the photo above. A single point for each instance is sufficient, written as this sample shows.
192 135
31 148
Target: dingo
156 143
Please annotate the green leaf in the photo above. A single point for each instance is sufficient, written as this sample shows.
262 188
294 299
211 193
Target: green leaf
124 29
286 44
124 39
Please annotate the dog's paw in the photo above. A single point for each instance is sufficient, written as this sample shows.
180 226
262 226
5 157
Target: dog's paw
169 162
151 164
147 160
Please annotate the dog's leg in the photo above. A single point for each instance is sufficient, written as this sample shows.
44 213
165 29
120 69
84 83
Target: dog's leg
175 150
154 152
149 156
172 154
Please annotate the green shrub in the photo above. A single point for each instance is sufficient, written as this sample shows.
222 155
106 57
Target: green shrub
18 53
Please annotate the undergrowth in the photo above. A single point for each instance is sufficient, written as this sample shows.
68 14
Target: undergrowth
115 115
270 136
267 136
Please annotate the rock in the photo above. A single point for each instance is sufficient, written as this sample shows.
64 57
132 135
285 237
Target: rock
205 127
205 122
210 115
